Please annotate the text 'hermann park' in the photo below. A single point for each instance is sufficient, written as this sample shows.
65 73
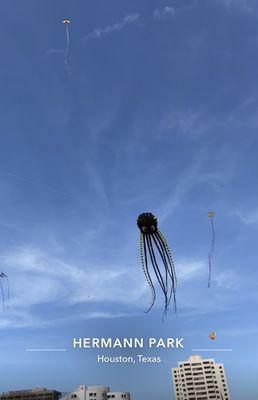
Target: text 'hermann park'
132 343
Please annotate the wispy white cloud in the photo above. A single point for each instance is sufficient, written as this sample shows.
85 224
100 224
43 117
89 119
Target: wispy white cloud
39 279
188 269
96 181
188 122
22 319
192 124
192 288
237 331
38 184
166 12
51 51
48 279
249 218
186 182
243 6
158 14
227 280
118 26
104 315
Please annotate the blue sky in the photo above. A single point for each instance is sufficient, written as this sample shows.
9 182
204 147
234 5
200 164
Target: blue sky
159 114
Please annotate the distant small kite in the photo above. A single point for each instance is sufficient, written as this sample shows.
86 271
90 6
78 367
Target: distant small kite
3 276
67 22
212 335
211 215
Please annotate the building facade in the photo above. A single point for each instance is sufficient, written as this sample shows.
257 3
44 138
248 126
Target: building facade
84 392
118 395
32 394
200 379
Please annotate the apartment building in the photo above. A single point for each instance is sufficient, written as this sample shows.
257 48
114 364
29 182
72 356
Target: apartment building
200 379
31 394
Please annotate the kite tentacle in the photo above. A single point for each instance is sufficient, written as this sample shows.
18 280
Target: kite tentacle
144 262
155 264
167 262
163 257
157 270
169 255
170 287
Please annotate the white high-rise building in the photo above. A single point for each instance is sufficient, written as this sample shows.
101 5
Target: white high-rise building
200 379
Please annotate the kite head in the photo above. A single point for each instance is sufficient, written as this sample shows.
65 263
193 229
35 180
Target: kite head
211 214
147 223
67 21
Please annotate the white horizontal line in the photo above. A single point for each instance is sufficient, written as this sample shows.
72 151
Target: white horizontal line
212 350
46 349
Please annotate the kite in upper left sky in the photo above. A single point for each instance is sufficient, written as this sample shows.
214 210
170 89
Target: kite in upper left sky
67 22
3 276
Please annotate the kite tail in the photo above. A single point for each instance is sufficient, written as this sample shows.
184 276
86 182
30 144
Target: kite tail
8 293
211 252
2 290
67 51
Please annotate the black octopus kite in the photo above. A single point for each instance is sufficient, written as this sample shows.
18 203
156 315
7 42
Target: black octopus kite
153 243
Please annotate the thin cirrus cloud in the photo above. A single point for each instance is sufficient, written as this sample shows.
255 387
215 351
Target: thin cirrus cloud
118 26
249 217
51 51
188 270
158 14
50 279
244 6
41 280
189 179
166 12
227 280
